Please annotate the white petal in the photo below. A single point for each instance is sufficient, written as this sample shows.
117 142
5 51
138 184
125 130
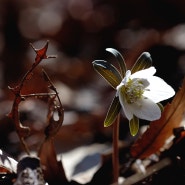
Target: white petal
145 109
127 112
145 73
127 75
125 79
159 90
144 81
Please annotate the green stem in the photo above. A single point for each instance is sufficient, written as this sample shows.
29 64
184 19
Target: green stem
115 154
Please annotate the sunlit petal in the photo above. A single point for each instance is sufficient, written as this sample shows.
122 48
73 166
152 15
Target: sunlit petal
145 109
158 90
145 73
126 110
125 79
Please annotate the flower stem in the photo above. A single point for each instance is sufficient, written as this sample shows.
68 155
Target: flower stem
115 153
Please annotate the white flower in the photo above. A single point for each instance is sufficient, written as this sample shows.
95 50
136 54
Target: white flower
140 92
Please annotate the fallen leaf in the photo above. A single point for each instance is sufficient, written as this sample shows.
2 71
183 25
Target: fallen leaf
161 130
52 168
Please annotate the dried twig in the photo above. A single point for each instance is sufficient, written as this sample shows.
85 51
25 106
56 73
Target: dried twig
23 131
150 170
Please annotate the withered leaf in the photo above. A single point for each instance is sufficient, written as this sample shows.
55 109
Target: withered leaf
54 125
160 130
52 168
41 53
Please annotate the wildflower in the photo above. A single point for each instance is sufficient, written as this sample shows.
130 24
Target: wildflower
138 91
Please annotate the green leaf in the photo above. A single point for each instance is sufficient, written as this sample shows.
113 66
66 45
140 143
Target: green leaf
120 59
108 72
113 111
134 126
143 62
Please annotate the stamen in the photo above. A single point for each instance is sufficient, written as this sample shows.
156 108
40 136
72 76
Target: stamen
134 90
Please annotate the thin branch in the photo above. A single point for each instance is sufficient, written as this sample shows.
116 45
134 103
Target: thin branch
14 114
38 95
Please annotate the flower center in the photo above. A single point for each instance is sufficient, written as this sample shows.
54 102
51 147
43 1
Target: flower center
134 90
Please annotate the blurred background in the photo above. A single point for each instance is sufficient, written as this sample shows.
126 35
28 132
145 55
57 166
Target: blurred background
79 31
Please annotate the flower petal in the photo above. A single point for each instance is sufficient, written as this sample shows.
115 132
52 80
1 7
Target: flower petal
125 79
145 73
144 109
127 112
159 90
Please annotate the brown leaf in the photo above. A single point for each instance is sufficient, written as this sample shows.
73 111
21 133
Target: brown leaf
160 130
52 168
54 125
41 53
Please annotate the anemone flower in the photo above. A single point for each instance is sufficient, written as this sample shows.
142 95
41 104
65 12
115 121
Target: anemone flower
138 91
